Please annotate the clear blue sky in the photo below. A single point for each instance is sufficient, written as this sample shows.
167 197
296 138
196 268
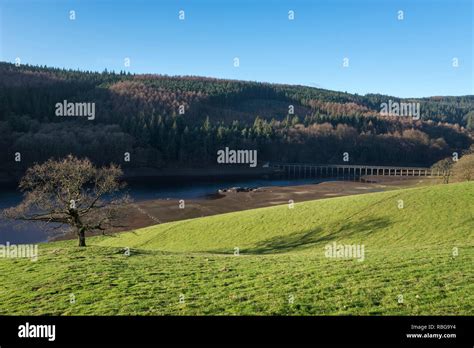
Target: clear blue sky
412 57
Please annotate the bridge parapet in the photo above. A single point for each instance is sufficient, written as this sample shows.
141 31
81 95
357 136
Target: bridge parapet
309 170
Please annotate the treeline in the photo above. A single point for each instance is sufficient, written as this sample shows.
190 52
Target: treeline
30 89
183 121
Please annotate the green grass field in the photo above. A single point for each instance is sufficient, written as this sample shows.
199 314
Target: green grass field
189 267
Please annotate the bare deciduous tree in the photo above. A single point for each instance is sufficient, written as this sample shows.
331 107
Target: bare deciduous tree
463 170
444 167
71 192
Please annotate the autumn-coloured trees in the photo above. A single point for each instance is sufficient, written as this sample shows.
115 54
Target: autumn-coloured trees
463 170
183 121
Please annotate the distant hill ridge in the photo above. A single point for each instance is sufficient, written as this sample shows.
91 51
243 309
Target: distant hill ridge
183 121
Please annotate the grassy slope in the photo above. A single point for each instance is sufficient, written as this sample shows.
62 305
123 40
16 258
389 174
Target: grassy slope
407 252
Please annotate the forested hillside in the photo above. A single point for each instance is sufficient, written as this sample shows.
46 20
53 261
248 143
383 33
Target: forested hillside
182 121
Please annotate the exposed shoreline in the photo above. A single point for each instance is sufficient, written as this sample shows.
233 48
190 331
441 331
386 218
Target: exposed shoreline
152 212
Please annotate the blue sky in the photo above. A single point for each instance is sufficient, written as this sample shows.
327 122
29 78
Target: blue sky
411 57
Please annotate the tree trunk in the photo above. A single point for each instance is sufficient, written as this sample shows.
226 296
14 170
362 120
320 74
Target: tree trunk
81 230
82 237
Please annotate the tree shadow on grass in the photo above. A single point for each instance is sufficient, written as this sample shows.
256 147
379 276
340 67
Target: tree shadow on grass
309 238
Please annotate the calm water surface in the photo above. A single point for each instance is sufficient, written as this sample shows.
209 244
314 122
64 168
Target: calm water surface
139 190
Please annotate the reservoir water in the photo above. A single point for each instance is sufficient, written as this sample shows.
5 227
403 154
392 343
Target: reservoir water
139 190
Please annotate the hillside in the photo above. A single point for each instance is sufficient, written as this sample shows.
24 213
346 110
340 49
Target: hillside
189 267
165 121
